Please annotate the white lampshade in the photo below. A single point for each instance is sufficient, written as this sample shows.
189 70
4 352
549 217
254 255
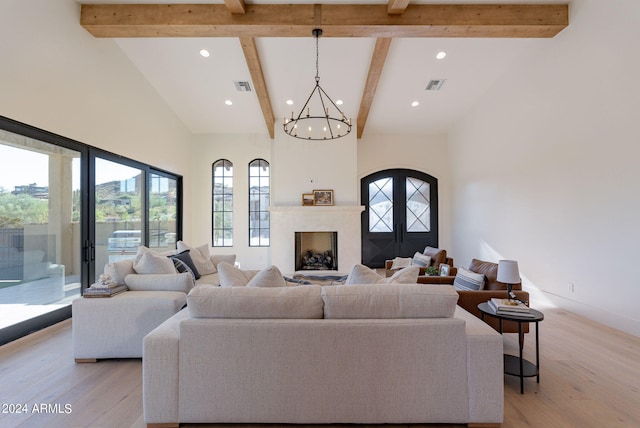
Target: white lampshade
508 272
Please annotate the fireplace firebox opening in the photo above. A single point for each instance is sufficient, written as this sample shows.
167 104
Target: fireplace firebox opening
316 251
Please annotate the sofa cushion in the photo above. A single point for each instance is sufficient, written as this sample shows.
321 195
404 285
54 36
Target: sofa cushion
269 277
200 257
402 301
160 282
118 270
152 263
437 255
361 274
302 302
185 257
231 276
468 281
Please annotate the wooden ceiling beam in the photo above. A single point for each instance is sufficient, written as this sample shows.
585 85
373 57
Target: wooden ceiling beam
336 20
259 84
397 7
236 7
375 70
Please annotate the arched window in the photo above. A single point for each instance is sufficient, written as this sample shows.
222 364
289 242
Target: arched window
259 196
222 204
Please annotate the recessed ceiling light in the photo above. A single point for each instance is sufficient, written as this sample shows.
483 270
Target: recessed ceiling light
228 102
415 104
441 54
339 102
205 53
289 102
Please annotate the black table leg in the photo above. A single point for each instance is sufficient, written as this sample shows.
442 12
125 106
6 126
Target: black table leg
537 353
521 345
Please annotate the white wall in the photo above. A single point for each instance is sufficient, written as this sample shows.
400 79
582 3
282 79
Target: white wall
426 153
301 166
81 87
545 168
240 150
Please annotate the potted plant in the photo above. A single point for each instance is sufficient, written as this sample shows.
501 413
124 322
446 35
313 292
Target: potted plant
432 271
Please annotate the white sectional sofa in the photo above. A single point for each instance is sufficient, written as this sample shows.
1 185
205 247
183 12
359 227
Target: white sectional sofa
114 327
335 354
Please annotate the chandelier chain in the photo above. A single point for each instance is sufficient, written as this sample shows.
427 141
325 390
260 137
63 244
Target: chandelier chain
317 60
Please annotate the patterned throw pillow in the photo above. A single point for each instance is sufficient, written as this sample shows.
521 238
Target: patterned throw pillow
421 260
468 281
185 258
182 267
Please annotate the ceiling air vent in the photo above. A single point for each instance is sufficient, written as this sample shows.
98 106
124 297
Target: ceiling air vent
435 84
242 86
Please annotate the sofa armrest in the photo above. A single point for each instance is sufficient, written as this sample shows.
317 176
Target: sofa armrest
484 370
160 371
470 300
160 282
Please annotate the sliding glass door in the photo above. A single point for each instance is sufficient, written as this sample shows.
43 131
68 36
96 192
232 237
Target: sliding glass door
118 204
66 210
40 227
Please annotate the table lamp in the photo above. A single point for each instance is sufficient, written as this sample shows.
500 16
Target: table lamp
509 274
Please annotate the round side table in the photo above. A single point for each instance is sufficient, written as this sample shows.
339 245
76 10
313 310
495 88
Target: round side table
518 366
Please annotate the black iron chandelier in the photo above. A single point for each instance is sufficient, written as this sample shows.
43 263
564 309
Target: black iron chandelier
328 125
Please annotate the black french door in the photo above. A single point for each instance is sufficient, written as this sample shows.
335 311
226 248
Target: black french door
400 216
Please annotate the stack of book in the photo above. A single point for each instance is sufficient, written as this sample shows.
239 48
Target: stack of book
509 307
104 290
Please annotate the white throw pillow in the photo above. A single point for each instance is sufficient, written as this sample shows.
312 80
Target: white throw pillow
361 274
200 257
269 277
152 263
231 276
118 270
467 280
401 262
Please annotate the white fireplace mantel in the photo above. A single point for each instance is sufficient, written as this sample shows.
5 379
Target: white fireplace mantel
287 220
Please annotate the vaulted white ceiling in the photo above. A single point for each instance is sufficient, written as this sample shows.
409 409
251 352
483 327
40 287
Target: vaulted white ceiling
196 88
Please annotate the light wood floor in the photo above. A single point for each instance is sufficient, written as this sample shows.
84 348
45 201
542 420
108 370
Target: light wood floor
590 377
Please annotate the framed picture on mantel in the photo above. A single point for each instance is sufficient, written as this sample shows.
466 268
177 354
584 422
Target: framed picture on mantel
307 199
323 197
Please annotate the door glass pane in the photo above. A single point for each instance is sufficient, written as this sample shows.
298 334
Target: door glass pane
39 227
418 205
163 208
119 230
381 205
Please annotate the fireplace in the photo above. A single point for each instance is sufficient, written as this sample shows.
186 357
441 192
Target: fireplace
316 251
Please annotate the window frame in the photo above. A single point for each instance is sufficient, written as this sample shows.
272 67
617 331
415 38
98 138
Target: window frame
259 210
227 165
